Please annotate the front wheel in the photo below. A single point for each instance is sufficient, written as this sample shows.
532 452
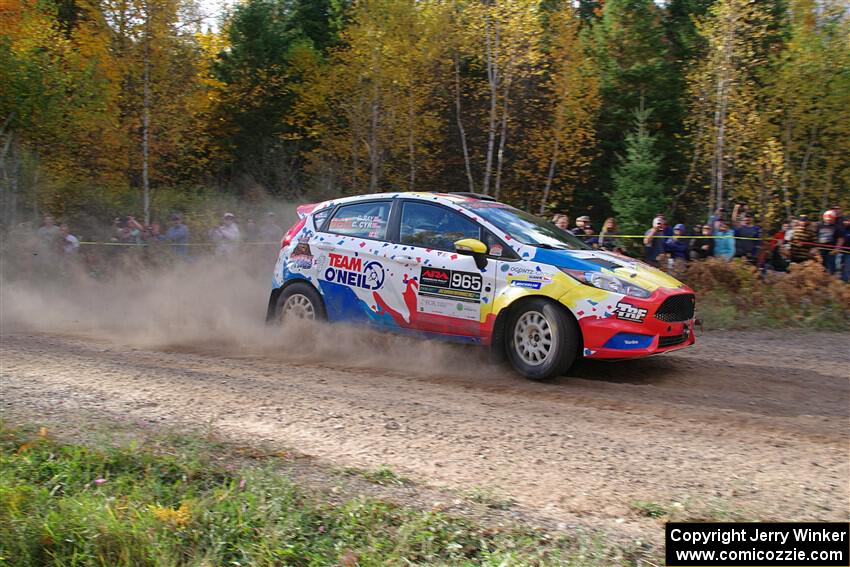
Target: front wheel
299 301
541 339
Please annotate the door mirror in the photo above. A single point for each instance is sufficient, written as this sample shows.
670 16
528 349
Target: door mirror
475 248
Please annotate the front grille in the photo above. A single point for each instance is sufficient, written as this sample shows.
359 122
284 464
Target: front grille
677 308
670 341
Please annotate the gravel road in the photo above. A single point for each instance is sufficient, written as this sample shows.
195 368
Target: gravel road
745 424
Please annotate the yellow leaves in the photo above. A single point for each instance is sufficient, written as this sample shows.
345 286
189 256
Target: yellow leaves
174 518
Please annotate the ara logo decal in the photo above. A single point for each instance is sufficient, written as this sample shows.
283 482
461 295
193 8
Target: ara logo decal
351 271
433 275
629 312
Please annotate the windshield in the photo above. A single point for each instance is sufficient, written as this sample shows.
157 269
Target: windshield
525 227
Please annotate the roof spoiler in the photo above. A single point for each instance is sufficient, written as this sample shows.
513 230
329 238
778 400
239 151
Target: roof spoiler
304 210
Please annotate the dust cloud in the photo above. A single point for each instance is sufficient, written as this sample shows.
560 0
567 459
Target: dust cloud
210 306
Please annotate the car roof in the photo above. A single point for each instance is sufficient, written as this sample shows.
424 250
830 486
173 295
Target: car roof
445 198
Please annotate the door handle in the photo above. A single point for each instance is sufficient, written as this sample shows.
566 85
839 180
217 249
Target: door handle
408 259
323 246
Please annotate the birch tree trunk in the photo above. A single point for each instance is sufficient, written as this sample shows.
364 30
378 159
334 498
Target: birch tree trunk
503 133
460 127
491 39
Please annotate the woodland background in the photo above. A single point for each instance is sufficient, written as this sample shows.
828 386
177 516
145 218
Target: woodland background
624 107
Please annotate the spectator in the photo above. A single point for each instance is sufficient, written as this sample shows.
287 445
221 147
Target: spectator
562 221
702 248
48 233
70 243
745 231
845 255
227 236
270 231
133 231
719 215
588 238
178 235
653 241
677 245
724 241
581 223
251 230
830 234
802 240
776 255
606 239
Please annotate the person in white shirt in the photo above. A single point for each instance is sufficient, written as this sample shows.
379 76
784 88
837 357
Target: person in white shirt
227 236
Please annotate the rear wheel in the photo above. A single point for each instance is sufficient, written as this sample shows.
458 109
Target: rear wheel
541 339
300 301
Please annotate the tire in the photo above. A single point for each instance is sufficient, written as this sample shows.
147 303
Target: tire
300 301
541 339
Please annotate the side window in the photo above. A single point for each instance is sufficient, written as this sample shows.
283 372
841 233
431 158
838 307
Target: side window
363 220
497 248
320 217
430 226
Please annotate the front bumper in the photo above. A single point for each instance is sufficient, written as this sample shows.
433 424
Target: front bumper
616 337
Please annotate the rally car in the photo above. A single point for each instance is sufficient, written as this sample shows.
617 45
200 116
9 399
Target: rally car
466 268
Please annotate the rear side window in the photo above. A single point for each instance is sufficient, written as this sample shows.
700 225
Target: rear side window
319 217
363 220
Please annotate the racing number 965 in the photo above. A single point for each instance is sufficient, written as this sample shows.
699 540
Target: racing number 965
461 280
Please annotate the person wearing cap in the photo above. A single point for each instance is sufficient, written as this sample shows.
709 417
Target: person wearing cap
270 231
582 222
677 245
227 236
177 235
653 240
830 234
747 234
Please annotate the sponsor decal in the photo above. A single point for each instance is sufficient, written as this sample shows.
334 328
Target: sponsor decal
450 293
301 257
628 312
449 308
354 272
524 283
496 250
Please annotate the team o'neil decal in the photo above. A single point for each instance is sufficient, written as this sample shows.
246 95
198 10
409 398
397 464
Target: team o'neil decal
351 271
629 312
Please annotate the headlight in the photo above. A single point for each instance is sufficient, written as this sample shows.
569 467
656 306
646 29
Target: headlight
608 283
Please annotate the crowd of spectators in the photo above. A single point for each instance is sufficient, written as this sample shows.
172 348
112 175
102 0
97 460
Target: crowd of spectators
724 236
730 236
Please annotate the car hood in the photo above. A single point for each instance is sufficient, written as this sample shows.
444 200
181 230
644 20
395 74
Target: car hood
629 269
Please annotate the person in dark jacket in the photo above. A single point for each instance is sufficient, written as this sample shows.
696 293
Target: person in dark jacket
702 248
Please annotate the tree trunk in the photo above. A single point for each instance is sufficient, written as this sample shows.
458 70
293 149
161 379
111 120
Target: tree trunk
503 134
721 111
374 150
460 127
146 121
804 166
550 176
787 167
411 148
492 47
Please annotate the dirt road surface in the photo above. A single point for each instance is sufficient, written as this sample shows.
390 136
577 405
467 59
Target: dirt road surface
746 424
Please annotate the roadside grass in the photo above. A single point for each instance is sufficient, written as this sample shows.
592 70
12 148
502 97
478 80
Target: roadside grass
383 475
733 295
488 498
179 502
